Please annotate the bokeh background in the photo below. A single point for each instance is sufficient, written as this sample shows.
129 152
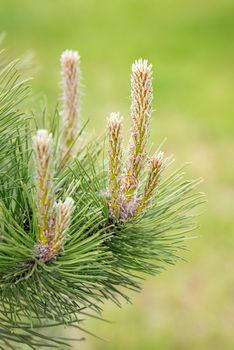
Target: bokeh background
191 47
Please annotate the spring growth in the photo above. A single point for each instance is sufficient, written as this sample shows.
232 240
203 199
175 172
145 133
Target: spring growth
70 72
44 166
62 218
156 167
115 162
141 97
53 217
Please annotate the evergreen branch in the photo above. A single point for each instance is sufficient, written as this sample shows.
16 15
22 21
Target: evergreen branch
66 245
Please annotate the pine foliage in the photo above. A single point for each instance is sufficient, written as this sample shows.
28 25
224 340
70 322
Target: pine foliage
64 246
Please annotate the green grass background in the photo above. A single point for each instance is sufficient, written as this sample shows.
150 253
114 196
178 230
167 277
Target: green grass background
191 46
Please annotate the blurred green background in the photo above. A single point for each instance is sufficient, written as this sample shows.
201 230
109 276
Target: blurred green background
191 47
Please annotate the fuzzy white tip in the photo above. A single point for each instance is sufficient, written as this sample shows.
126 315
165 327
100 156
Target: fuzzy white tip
141 65
42 135
160 156
114 119
70 56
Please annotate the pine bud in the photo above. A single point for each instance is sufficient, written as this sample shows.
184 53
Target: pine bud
70 71
141 96
115 162
44 166
63 212
156 166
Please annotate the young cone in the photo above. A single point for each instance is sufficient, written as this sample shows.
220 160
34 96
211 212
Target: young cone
70 71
